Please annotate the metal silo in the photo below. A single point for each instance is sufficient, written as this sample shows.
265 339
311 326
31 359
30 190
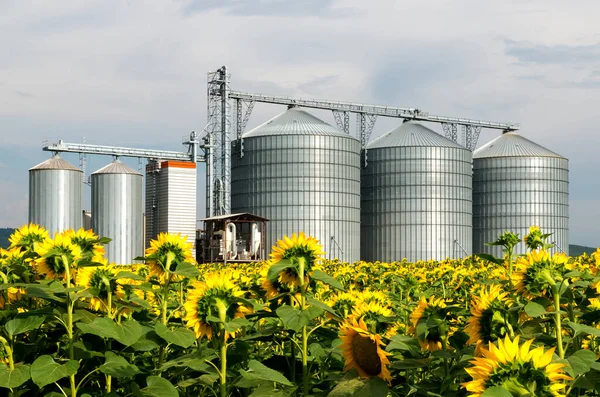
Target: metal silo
516 184
55 195
117 211
303 175
416 197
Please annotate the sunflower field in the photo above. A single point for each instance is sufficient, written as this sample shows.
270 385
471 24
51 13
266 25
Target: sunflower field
297 325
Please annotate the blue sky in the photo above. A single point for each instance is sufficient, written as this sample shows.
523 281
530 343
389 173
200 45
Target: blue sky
133 73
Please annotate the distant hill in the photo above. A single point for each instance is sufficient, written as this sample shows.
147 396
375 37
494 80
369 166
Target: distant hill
4 234
576 250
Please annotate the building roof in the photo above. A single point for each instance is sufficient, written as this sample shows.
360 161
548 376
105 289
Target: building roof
411 133
116 167
55 163
295 121
242 216
513 144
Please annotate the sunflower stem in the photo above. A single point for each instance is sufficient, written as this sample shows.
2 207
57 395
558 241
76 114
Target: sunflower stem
70 322
305 383
165 294
223 348
557 320
9 353
109 343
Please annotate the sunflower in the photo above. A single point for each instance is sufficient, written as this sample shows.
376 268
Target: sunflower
343 302
519 370
88 242
537 272
12 257
52 253
430 323
27 235
378 317
217 296
362 350
167 250
100 281
490 318
298 246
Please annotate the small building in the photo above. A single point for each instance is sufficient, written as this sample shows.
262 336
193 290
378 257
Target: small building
232 238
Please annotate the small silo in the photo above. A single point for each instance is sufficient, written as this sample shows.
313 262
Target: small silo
303 175
117 211
416 197
516 184
55 195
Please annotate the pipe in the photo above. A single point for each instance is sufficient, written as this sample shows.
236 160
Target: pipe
255 239
230 238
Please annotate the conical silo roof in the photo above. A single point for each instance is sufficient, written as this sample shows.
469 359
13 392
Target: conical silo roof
116 167
513 144
294 121
411 133
55 163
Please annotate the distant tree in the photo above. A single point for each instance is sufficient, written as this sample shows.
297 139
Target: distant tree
4 235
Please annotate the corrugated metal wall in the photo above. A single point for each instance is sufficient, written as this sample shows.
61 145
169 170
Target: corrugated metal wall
416 200
55 195
513 193
301 182
117 212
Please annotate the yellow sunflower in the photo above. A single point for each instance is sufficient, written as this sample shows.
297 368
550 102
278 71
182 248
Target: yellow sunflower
27 235
12 257
490 318
166 251
99 280
52 253
362 351
518 369
298 246
378 317
88 242
537 272
433 315
216 296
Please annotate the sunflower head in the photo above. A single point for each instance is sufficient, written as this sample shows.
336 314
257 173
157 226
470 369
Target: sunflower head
15 256
166 252
520 370
375 315
217 297
363 351
299 250
536 240
536 273
27 235
491 318
99 280
430 323
90 243
53 253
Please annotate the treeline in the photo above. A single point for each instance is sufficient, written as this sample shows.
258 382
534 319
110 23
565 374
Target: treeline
4 234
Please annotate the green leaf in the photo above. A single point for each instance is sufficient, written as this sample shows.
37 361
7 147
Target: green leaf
261 371
128 275
584 329
186 269
10 378
266 390
534 309
126 333
375 387
321 305
23 324
277 268
491 258
295 319
403 343
117 366
45 370
179 336
235 324
327 279
159 387
348 385
581 361
496 391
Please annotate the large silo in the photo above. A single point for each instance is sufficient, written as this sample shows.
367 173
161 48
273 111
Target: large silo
117 211
518 183
55 195
416 197
303 175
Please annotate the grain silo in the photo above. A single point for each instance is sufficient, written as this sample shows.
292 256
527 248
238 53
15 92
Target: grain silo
117 211
518 183
55 195
416 197
303 175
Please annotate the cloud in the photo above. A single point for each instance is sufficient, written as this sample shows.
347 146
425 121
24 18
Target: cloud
553 54
271 8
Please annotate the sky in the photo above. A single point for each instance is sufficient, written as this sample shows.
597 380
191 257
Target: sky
133 73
